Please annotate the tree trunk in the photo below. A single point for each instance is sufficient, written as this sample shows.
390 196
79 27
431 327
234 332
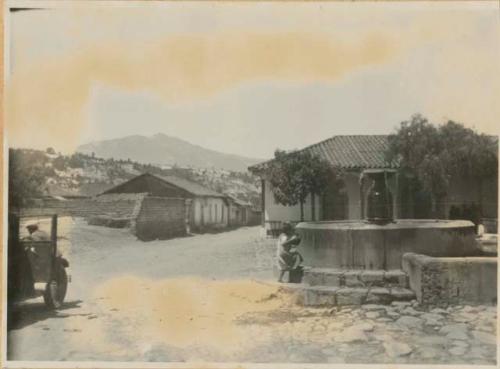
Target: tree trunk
301 210
313 207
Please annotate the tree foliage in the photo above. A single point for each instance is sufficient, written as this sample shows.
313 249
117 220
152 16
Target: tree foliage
437 154
295 175
27 173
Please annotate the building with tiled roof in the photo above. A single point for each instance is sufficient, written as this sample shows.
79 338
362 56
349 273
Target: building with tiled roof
208 209
348 152
356 154
363 158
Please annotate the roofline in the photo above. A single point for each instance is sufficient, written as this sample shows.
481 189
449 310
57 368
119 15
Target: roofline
183 189
255 170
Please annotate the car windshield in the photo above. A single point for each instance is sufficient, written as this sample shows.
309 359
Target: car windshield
43 224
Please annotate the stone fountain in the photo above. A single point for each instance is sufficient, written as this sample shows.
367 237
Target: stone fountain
360 261
379 241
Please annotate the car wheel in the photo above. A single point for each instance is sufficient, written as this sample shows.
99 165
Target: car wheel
55 291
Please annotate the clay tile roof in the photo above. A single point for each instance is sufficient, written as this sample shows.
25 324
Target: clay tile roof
348 152
191 187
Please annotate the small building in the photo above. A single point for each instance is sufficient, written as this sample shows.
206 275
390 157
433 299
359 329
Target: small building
208 209
362 157
238 212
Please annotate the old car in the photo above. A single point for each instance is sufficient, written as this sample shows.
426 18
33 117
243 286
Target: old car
35 267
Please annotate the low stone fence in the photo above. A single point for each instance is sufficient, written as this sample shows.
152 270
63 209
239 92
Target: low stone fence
452 280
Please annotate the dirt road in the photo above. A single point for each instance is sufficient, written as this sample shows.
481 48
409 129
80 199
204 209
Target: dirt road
100 255
212 298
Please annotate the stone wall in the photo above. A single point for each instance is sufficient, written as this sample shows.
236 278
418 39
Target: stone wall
161 218
452 280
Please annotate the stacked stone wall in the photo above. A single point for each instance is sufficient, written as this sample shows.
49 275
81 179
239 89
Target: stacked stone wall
447 280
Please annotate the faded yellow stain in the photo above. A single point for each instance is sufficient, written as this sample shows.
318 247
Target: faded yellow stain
183 312
54 92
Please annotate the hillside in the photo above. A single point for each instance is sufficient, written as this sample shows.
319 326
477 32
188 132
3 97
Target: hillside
163 150
83 175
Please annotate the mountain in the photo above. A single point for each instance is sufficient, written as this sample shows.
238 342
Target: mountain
164 150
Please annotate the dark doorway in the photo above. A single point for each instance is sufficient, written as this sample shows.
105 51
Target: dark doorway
335 202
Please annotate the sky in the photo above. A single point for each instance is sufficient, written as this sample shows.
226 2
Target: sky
248 77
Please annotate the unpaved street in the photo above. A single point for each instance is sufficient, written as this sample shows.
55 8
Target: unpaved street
212 298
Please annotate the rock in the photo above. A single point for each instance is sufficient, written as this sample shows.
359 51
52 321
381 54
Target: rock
460 343
453 327
351 335
351 279
400 294
410 311
432 319
393 314
457 350
439 311
384 320
351 296
365 327
372 277
372 307
460 319
400 304
372 314
397 349
429 353
484 337
410 322
455 331
379 295
470 309
457 335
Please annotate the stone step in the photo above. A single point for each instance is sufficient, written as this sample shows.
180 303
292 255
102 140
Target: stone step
355 278
340 296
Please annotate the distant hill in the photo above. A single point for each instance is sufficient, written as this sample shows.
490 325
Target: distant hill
81 175
164 150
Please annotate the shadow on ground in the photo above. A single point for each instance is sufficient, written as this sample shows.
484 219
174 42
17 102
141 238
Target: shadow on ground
24 314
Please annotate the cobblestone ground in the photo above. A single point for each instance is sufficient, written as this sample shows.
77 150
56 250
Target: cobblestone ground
213 298
403 332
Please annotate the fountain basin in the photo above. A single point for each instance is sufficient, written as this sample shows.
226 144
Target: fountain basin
363 245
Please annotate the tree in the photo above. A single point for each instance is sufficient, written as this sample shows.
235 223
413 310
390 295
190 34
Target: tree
295 175
26 178
437 154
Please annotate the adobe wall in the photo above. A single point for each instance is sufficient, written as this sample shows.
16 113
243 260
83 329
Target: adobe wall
447 280
112 206
161 218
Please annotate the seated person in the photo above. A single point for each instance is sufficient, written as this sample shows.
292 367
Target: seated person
36 234
289 259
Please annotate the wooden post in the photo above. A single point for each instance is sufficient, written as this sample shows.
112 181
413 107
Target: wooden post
397 198
362 196
313 207
263 201
53 234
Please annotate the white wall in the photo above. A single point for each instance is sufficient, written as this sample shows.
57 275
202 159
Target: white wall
354 197
209 211
275 211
